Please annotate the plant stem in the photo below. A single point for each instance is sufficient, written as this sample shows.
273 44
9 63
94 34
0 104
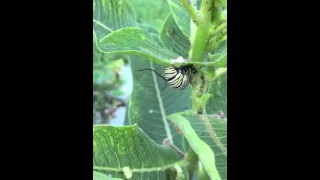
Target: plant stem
205 10
223 36
216 12
200 43
167 142
219 72
202 33
191 11
210 13
219 29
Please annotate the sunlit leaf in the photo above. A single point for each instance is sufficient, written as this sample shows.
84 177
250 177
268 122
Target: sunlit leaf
128 151
173 37
110 15
135 41
151 13
207 137
180 16
101 176
213 131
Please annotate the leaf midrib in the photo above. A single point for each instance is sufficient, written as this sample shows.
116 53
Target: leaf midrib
102 25
213 135
162 111
141 170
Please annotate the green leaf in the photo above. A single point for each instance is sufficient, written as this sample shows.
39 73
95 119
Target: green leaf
180 16
148 28
173 37
135 41
204 140
218 99
101 176
152 100
157 39
110 15
213 131
152 13
128 151
219 59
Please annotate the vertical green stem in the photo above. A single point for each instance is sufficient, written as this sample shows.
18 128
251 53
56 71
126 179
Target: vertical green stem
210 13
198 49
216 12
200 43
191 11
205 9
222 27
202 32
208 19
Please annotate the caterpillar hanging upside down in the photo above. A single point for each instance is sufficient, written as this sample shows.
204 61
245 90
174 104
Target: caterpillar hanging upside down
177 77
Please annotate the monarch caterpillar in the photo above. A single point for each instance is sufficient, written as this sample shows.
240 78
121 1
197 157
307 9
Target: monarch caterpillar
177 77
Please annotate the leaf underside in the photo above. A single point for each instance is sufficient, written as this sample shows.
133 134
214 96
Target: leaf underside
128 146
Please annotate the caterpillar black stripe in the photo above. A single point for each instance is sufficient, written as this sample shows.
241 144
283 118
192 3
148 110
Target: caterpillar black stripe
177 77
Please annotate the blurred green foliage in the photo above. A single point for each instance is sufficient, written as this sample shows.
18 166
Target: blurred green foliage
106 83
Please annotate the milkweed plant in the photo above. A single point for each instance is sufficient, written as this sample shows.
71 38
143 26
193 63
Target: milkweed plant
176 118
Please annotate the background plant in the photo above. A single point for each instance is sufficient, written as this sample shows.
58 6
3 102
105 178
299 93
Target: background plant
149 146
106 82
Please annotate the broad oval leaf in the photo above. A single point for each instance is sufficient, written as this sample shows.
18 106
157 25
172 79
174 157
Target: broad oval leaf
128 151
152 100
180 16
213 131
198 132
135 41
110 15
151 13
173 37
148 28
